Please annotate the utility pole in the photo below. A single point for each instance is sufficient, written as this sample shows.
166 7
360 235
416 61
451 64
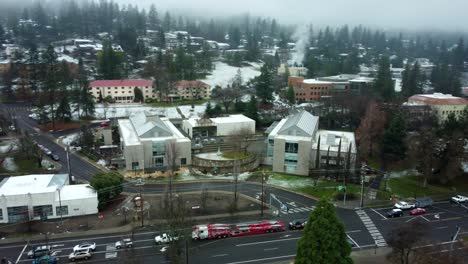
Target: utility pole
262 194
142 207
60 205
362 185
344 186
67 150
454 238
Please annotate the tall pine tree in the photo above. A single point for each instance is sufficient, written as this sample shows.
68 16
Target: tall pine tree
384 83
324 239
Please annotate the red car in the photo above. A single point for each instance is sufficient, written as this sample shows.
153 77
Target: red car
104 124
418 211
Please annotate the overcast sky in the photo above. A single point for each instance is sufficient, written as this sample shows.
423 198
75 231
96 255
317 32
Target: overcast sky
440 14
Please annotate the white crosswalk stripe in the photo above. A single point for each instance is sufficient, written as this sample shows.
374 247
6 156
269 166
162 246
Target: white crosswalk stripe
298 210
373 231
113 253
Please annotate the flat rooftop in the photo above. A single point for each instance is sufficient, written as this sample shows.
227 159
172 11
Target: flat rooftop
35 183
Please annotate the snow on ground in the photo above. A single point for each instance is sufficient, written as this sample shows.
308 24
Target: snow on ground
404 173
9 164
125 110
67 140
187 176
101 162
223 74
198 111
9 145
290 183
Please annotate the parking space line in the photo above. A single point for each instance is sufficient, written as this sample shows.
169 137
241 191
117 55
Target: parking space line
21 254
422 216
375 211
352 240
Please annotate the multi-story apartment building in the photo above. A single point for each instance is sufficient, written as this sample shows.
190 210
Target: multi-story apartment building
310 89
188 90
122 91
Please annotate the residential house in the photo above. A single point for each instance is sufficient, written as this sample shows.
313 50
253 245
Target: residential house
188 90
122 91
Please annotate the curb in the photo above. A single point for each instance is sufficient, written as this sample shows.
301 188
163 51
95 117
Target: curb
58 141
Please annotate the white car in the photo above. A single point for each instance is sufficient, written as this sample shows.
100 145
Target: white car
84 246
404 205
165 238
459 199
127 242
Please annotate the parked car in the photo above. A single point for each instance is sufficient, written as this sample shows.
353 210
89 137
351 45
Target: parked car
459 199
297 224
55 157
126 242
84 246
104 124
418 211
47 151
45 260
395 213
165 238
404 205
423 202
81 254
39 251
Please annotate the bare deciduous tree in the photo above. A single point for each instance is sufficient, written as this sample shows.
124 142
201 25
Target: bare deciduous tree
371 129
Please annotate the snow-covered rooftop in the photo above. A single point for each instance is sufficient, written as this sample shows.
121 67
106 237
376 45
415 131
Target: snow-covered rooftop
76 192
223 74
315 81
68 59
35 183
231 119
329 138
128 133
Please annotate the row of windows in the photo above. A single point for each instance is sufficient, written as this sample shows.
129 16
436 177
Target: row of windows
38 211
452 112
114 87
312 93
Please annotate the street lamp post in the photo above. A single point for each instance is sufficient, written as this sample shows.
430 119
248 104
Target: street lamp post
262 194
60 206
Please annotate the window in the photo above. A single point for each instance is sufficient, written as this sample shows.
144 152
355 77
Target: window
158 162
291 147
42 210
61 210
135 165
1 214
183 161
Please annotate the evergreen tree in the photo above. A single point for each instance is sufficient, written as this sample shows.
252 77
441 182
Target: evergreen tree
251 109
63 109
209 110
87 100
393 141
324 239
405 81
384 83
110 62
264 84
458 56
291 96
51 83
138 95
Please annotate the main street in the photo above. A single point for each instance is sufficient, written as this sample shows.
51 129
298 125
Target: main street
81 169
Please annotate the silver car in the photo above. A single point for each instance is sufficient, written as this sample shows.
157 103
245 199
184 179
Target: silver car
80 254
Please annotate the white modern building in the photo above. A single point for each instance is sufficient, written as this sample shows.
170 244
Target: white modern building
218 126
149 141
293 144
44 196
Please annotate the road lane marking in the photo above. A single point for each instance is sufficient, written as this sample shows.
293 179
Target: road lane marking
371 228
219 255
262 259
424 218
266 242
375 211
21 254
269 249
443 227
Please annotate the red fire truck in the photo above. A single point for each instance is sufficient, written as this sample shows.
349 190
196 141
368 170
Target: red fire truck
211 231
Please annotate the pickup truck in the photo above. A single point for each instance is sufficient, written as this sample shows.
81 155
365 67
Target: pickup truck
165 238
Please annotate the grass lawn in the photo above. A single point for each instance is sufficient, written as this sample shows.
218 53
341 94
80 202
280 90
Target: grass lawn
25 165
411 186
306 185
177 103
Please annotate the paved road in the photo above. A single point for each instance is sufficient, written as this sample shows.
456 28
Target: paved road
80 169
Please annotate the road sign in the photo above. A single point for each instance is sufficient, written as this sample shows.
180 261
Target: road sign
340 187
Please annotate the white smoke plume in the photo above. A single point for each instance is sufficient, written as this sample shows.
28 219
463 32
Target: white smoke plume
301 35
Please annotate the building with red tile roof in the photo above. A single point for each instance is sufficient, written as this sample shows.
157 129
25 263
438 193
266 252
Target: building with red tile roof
122 91
442 104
